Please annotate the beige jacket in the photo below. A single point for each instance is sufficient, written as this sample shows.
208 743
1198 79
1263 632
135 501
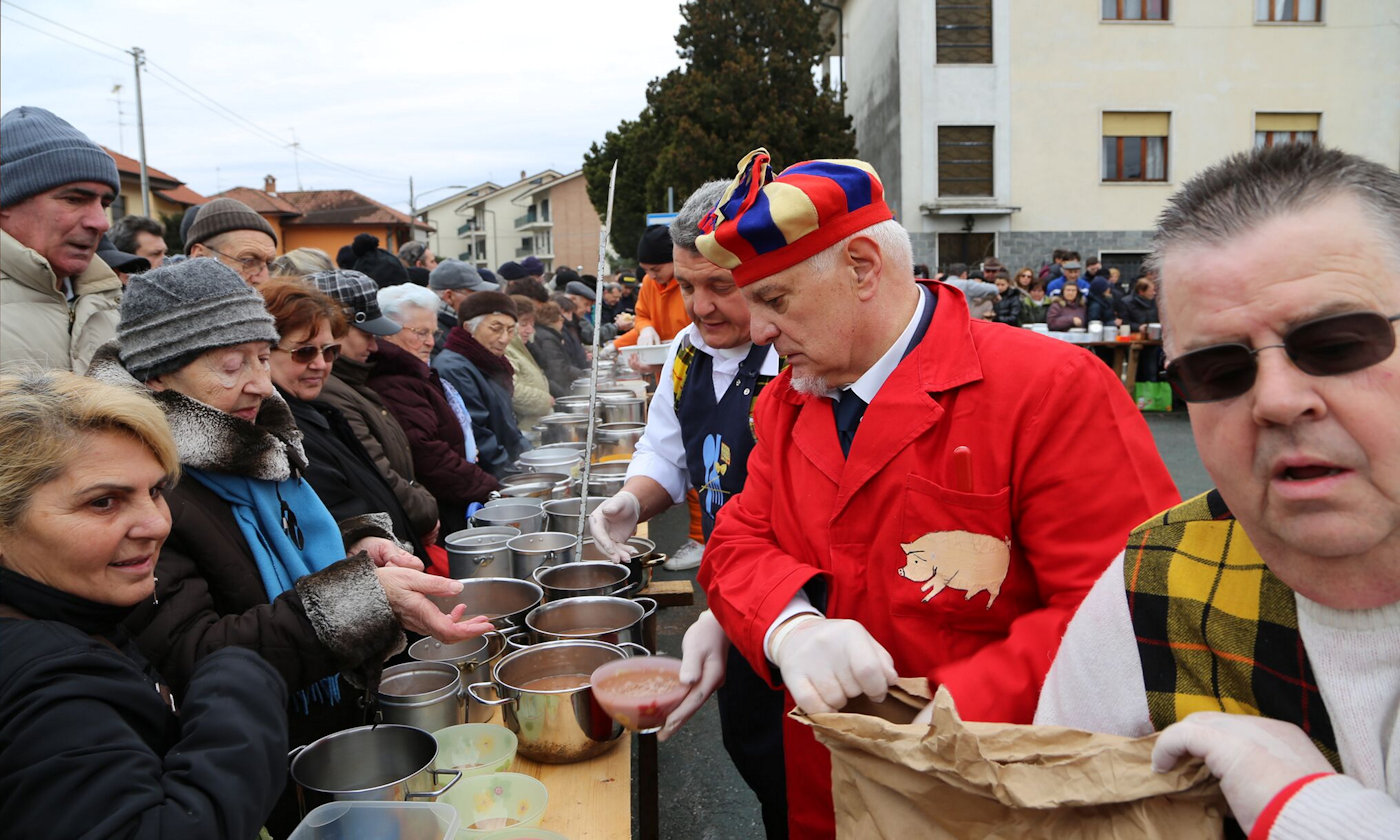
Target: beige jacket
531 399
37 323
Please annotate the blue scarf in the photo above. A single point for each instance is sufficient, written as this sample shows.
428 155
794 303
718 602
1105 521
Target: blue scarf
257 505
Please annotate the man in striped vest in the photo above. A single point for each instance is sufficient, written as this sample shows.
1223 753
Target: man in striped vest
1258 625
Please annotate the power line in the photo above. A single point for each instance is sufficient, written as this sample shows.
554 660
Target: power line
63 26
180 86
17 22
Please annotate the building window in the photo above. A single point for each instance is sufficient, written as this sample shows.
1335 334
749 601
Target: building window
963 31
1288 11
1272 129
965 160
1135 10
1135 146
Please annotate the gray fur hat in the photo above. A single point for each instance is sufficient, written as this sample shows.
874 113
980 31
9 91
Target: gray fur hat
42 151
172 314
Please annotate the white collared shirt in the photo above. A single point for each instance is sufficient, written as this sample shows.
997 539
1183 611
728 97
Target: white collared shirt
660 454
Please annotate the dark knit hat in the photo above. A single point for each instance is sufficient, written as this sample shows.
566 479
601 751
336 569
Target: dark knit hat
345 257
187 222
40 151
358 296
1098 286
765 224
221 216
486 303
533 266
383 267
512 271
655 245
488 275
172 314
364 243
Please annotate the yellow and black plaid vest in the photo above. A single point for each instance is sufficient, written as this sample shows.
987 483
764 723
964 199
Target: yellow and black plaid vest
1216 630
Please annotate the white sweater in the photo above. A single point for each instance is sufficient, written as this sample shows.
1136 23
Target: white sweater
1096 684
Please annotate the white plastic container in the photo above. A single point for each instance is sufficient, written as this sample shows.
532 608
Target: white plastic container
336 820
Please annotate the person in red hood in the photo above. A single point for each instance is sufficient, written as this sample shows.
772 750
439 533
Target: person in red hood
934 541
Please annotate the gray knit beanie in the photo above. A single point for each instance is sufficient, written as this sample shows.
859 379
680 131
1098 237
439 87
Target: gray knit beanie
223 215
172 314
39 151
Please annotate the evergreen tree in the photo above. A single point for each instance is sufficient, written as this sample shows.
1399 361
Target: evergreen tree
747 82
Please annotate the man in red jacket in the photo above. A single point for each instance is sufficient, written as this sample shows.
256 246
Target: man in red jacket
935 540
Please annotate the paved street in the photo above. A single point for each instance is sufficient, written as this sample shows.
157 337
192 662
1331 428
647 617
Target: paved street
702 796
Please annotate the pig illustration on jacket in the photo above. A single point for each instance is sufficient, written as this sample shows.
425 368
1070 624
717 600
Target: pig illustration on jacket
957 560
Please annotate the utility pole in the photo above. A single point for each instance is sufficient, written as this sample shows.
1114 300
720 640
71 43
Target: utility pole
137 57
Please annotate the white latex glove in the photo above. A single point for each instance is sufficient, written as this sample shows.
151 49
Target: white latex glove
703 653
827 661
386 553
612 522
408 591
648 336
1254 757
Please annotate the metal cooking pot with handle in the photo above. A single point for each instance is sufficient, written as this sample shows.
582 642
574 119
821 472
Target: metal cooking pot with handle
381 763
547 702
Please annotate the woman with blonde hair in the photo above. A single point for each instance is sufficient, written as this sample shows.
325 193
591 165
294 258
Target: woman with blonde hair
91 742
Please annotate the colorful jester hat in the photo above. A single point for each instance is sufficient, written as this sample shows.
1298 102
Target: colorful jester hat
763 225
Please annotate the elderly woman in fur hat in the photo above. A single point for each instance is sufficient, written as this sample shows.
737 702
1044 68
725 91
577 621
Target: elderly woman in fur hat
254 557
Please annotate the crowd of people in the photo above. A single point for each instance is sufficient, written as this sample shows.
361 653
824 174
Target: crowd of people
226 476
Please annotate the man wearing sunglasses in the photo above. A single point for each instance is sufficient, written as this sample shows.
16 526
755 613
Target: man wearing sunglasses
1258 625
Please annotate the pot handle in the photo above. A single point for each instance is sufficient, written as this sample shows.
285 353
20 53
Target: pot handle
510 641
647 611
293 753
499 701
535 575
628 646
434 794
656 559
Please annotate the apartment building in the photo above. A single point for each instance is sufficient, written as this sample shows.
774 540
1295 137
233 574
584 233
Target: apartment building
1013 127
547 215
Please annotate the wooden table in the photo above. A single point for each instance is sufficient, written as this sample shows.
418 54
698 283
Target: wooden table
592 800
1132 350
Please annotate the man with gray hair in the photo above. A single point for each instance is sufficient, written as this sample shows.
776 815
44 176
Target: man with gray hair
1258 625
933 541
57 303
699 434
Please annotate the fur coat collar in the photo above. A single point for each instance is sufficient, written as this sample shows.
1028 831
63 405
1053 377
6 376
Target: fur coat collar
209 439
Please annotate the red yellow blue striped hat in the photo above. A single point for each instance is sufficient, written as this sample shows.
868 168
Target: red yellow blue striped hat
764 224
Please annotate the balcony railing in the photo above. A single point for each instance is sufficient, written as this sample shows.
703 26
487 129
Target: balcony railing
469 227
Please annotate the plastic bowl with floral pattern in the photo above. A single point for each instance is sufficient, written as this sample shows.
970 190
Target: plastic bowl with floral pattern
495 801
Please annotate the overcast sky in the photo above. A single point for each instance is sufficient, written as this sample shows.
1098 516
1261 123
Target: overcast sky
447 91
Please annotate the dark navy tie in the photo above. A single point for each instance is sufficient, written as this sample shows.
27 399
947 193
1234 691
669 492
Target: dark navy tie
848 408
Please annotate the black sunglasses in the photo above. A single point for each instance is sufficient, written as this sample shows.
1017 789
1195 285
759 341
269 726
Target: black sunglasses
305 355
1323 347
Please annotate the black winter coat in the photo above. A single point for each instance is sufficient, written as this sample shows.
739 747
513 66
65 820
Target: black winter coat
89 749
1102 310
342 473
1138 310
1007 308
549 349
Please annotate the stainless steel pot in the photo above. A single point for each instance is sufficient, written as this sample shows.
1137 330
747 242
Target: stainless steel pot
564 513
645 558
504 601
601 618
528 518
605 478
619 409
579 580
527 484
558 427
559 723
480 552
427 695
548 460
547 548
382 763
612 441
472 658
575 404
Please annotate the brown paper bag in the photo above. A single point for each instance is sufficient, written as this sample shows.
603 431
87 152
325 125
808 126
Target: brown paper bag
955 779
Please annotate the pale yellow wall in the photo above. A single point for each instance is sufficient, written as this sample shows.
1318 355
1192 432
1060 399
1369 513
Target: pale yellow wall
1212 67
